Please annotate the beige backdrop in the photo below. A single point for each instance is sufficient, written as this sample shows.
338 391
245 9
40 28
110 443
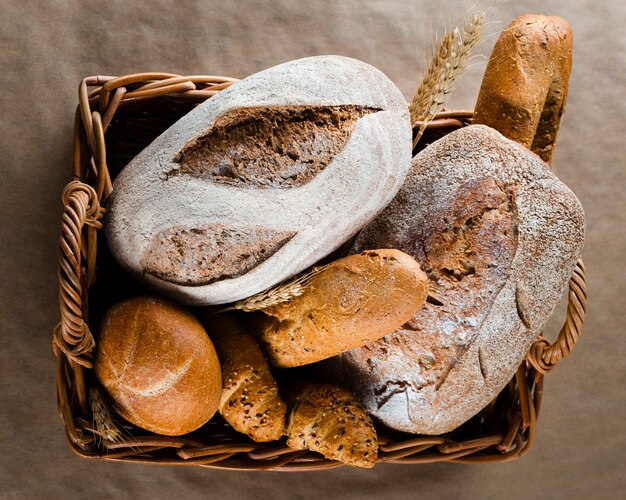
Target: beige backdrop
48 46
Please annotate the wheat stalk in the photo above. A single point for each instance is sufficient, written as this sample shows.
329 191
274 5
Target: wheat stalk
448 65
421 100
276 295
103 421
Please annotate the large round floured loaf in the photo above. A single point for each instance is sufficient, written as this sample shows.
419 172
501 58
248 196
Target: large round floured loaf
254 185
498 235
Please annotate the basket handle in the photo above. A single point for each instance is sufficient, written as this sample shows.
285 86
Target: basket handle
545 356
77 257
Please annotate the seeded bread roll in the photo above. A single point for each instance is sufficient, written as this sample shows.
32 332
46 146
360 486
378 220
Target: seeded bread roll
330 420
158 365
250 402
353 301
524 90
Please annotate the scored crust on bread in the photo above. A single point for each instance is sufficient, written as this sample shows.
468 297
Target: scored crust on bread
261 181
331 420
524 90
158 365
250 402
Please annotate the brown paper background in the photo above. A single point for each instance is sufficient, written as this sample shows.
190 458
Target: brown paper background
46 47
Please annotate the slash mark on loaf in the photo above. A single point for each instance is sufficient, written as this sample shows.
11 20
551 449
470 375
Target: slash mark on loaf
273 147
202 255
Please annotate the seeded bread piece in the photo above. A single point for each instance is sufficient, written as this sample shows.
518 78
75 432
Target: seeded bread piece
330 420
249 402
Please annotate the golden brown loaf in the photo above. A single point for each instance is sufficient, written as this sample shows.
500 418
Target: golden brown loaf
158 365
250 402
330 420
353 301
524 90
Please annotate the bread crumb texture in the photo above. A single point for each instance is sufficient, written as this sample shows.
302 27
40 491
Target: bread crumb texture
330 420
202 255
277 147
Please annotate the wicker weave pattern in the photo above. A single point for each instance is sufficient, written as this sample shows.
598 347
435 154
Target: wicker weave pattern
504 431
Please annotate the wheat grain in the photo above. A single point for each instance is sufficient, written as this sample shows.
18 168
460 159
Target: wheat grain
421 100
448 65
104 423
281 293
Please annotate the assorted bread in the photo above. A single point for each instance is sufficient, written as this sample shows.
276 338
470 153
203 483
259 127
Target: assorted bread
455 260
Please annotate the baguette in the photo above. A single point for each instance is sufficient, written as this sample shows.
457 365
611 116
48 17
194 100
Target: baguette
524 90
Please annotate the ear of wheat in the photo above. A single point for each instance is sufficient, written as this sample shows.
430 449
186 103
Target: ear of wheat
449 62
280 293
104 422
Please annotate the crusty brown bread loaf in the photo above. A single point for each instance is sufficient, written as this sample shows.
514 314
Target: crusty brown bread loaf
498 235
158 365
330 420
524 89
351 302
250 402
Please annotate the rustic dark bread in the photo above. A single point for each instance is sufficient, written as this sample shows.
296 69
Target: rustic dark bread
524 90
250 402
158 366
351 302
253 185
498 235
330 420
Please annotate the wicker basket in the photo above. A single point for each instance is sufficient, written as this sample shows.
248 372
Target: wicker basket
115 119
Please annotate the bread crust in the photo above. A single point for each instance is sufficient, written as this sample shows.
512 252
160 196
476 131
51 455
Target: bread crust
158 365
353 301
250 402
524 90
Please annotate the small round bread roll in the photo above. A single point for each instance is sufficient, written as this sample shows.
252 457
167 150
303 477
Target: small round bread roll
158 365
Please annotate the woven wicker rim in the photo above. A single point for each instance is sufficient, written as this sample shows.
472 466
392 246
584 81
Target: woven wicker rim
219 447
